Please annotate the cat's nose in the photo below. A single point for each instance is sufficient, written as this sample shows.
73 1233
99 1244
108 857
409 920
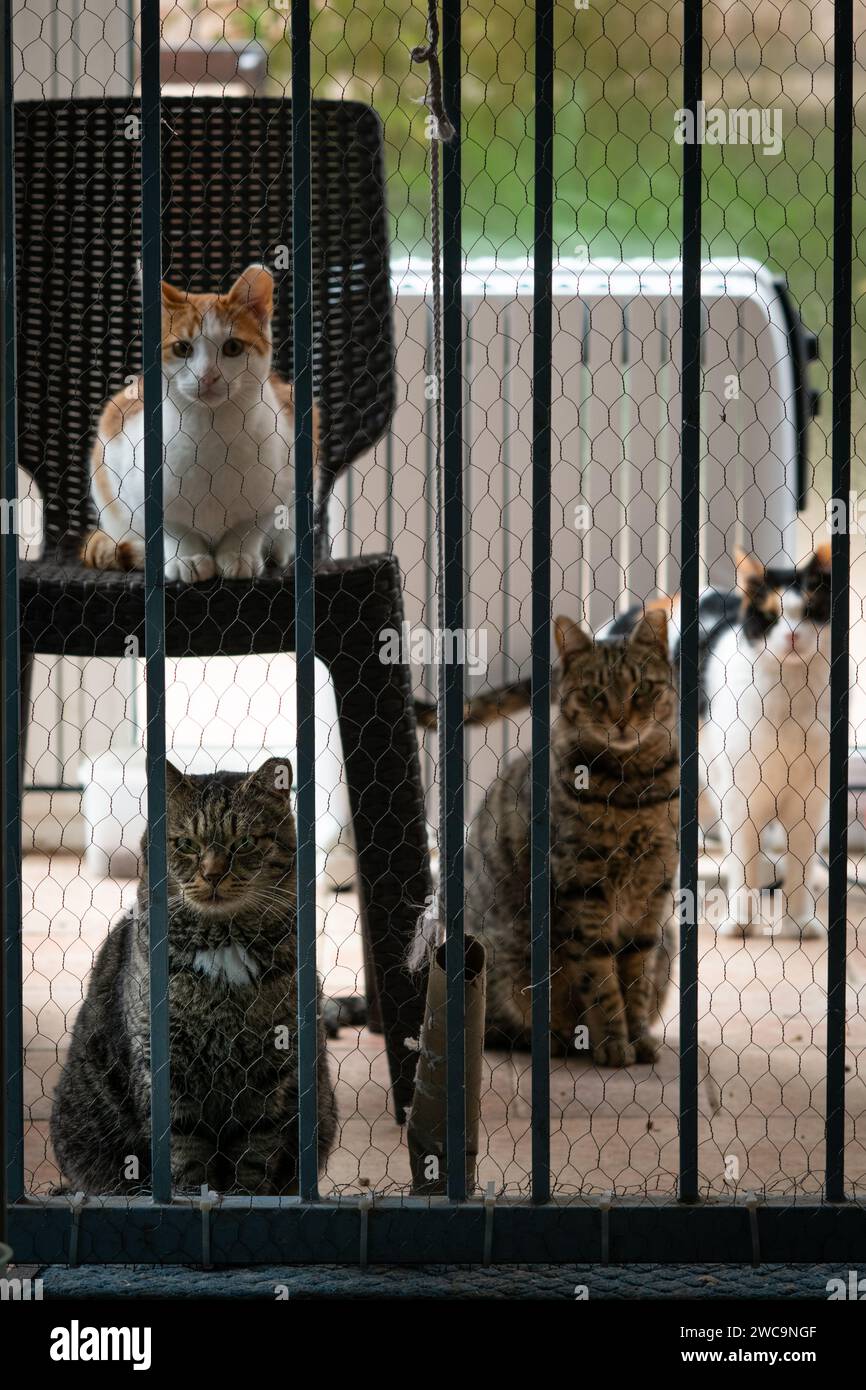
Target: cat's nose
213 867
209 378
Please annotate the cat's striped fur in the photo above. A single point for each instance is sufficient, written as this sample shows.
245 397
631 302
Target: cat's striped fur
232 1008
614 778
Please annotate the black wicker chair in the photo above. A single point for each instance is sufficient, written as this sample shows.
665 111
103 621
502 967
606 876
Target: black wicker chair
226 203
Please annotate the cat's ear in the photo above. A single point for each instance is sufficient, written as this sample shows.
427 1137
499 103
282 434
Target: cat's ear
174 779
652 630
173 298
749 570
254 290
273 777
821 557
570 638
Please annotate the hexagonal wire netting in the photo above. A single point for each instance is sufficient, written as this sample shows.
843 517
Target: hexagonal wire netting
572 522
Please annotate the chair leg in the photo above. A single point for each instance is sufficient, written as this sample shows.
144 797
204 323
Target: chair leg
371 986
380 753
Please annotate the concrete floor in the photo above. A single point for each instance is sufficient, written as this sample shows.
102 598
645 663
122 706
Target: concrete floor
762 1030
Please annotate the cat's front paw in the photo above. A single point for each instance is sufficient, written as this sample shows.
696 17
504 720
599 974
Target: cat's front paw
646 1049
614 1052
282 549
240 566
189 569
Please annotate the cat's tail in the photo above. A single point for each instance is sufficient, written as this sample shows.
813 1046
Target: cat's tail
100 552
660 968
343 1011
485 708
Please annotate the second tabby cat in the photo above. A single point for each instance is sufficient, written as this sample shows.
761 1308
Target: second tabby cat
614 818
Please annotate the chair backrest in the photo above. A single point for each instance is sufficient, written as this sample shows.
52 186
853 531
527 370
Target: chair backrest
226 203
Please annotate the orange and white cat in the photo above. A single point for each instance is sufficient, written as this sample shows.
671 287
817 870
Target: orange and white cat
228 432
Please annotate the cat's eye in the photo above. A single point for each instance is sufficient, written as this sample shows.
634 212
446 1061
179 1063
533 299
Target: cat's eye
244 846
181 348
183 846
642 690
232 347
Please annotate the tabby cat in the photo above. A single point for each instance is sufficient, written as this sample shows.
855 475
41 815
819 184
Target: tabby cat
232 1008
227 420
613 858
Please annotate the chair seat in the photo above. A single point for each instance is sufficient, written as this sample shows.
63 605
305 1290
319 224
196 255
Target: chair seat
67 609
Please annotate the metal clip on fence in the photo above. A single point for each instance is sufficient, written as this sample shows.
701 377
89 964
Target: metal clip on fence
752 1209
604 1208
365 1206
76 1205
489 1209
206 1203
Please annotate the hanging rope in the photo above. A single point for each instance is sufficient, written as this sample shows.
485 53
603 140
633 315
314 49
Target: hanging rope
429 53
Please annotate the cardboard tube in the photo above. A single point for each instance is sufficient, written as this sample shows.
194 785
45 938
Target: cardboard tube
426 1133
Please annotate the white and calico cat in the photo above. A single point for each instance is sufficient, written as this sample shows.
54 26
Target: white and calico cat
765 741
764 737
227 419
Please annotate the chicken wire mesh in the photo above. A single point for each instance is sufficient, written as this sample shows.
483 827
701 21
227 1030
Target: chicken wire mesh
766 132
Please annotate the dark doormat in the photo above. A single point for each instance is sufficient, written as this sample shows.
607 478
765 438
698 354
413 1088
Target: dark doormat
620 1282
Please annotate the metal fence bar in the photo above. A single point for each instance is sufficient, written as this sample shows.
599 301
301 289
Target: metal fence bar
467 470
11 994
302 329
247 1231
542 379
585 456
430 490
843 133
690 492
506 512
154 597
452 586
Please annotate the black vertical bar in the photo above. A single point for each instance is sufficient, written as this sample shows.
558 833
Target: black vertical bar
452 589
542 376
154 596
11 1036
837 910
302 330
690 492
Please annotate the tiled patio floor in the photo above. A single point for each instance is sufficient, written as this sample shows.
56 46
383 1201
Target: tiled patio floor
762 1027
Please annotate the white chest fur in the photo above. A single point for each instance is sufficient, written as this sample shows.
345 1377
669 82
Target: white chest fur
228 485
231 964
765 754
